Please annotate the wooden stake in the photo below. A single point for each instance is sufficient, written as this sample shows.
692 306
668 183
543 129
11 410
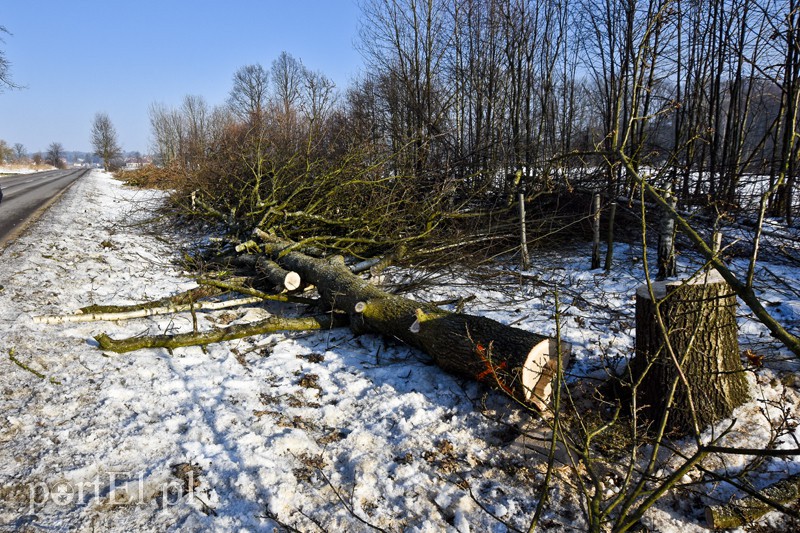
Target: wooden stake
596 231
610 236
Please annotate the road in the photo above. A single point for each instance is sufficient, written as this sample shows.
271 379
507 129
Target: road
26 196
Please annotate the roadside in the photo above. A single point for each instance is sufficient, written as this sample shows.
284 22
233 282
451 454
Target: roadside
23 168
271 428
26 197
59 395
303 428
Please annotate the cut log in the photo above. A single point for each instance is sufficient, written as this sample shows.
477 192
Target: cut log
697 351
745 510
270 275
519 362
276 276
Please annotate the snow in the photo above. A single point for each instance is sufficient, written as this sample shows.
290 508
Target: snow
305 428
23 169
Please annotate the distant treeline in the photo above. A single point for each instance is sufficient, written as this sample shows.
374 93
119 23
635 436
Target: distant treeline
472 101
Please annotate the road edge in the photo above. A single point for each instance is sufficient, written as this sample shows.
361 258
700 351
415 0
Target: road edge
36 215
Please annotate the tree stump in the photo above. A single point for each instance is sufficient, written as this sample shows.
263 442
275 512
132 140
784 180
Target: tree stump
696 352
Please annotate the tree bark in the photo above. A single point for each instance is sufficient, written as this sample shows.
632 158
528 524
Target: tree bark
687 339
519 362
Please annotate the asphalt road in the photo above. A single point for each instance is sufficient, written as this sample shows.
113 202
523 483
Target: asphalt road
26 196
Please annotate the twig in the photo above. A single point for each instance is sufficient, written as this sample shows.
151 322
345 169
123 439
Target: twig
483 508
23 366
346 506
29 369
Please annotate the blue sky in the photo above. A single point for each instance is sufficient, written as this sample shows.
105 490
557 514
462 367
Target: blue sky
81 57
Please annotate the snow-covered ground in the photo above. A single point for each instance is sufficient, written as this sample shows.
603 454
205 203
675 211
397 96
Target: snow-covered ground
23 168
321 431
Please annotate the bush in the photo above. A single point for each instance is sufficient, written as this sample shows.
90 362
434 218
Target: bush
153 177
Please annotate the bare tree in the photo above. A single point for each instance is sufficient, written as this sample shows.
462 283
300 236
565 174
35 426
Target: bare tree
219 121
196 118
787 151
6 152
55 155
317 97
19 151
407 41
287 80
5 66
166 129
248 97
104 140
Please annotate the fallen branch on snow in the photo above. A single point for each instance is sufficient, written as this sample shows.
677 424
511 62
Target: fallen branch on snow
269 325
150 311
748 509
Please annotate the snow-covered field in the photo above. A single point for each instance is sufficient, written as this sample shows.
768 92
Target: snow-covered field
321 431
15 168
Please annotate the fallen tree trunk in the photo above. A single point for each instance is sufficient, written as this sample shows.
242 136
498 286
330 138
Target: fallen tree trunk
750 508
519 362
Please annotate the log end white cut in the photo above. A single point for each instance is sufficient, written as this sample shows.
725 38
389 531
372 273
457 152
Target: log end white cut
292 281
539 368
660 288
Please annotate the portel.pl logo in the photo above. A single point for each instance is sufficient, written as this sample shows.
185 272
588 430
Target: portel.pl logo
110 488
